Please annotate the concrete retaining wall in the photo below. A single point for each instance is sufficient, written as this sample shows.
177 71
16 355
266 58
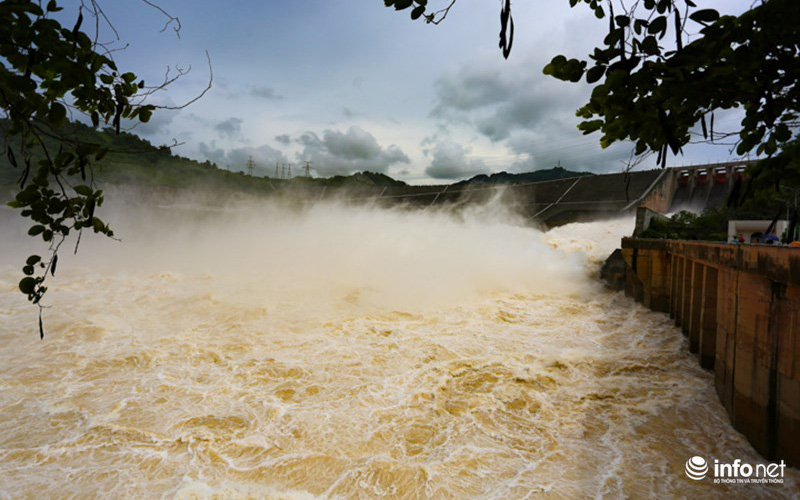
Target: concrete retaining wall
739 305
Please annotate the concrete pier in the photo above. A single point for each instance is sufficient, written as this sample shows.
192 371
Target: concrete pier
739 305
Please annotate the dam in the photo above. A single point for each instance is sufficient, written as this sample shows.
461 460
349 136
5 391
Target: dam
554 202
739 306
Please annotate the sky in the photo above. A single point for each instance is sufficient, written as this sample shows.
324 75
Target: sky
353 85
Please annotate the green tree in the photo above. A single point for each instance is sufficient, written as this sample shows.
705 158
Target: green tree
49 73
654 87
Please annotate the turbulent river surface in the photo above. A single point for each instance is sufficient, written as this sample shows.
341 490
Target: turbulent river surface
338 352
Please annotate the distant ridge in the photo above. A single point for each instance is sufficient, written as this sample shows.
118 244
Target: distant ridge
551 174
357 179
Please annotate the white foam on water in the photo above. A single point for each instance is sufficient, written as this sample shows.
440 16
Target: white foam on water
340 352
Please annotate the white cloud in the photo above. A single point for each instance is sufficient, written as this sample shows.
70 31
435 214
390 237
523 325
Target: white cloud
264 157
286 68
342 153
266 93
450 162
212 153
232 127
511 103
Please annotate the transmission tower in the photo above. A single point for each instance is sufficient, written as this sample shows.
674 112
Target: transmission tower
277 167
250 166
307 169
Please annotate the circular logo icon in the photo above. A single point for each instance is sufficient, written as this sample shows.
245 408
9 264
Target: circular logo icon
696 468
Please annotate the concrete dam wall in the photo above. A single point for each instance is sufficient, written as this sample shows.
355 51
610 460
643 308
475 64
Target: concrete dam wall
739 305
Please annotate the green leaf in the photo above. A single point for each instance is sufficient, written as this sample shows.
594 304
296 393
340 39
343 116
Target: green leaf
33 259
639 25
12 159
57 115
417 12
704 16
650 45
64 159
590 126
28 195
782 132
89 208
595 74
746 145
554 65
84 190
27 285
658 25
573 70
34 230
612 40
622 21
402 4
145 114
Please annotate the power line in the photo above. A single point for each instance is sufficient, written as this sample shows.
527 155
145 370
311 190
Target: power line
251 165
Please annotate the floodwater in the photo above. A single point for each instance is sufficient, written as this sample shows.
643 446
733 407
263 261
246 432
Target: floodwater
339 352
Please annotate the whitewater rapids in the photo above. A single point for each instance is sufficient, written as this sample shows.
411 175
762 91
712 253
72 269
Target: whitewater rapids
343 352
